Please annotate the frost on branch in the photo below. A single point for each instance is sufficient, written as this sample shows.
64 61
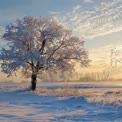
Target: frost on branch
40 44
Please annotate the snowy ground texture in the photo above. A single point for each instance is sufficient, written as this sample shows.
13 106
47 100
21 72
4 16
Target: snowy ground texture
61 103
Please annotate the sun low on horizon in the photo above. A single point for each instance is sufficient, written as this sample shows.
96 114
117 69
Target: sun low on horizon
97 22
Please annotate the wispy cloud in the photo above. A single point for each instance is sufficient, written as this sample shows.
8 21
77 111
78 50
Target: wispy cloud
85 1
88 1
104 18
54 12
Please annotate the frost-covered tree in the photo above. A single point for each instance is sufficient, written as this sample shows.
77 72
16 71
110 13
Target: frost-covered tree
41 44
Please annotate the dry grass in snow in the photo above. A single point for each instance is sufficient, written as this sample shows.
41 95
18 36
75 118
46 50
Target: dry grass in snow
103 95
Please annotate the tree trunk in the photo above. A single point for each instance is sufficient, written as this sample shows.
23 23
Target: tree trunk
33 82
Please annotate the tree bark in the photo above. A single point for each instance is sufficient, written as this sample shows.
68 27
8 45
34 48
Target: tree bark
33 82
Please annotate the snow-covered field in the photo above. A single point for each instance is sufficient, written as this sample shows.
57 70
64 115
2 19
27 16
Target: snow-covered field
61 102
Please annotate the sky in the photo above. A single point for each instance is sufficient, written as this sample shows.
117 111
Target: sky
98 22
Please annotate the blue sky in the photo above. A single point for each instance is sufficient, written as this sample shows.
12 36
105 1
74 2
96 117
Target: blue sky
99 22
12 9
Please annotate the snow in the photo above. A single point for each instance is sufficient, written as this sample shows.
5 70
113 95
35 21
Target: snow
18 104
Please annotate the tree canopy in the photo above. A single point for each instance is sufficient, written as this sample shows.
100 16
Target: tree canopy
38 44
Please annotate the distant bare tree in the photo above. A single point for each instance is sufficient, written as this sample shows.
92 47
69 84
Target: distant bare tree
41 44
